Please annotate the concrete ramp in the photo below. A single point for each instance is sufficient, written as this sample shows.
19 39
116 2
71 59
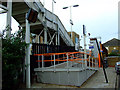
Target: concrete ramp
74 77
69 72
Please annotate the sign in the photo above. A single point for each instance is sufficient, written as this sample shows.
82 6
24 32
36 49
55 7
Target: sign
91 47
32 15
84 28
101 50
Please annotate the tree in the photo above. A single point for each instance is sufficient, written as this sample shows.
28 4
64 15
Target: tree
13 53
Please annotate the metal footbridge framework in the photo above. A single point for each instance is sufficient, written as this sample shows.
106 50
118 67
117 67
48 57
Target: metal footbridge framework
48 24
74 69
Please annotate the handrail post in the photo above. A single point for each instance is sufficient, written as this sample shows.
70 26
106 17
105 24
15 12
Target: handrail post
38 61
54 62
42 63
51 60
92 63
95 63
82 61
89 62
67 63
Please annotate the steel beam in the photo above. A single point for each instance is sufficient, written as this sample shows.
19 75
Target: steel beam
45 36
9 15
20 12
27 54
32 24
3 7
3 11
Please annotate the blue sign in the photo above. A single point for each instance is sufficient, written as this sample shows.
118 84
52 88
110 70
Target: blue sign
91 47
76 40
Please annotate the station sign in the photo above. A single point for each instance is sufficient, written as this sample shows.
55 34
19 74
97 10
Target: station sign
91 47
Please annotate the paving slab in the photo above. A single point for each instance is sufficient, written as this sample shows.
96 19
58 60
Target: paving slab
98 80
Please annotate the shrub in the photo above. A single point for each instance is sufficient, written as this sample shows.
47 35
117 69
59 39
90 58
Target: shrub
13 52
113 54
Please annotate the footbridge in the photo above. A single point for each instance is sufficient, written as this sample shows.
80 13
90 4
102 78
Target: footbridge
65 68
48 25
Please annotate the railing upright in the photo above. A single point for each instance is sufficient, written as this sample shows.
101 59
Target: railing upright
67 63
54 62
51 60
89 62
82 61
42 63
38 62
92 63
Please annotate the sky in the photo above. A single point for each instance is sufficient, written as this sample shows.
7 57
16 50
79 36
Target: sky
99 16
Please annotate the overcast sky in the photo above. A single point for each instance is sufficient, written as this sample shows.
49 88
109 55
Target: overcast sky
99 16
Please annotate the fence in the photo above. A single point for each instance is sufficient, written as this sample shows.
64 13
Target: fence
71 59
44 48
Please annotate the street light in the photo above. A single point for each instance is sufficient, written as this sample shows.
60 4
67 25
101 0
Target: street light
71 22
53 1
95 39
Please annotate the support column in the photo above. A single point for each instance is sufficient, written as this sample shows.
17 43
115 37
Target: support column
27 54
85 52
58 37
85 55
9 14
45 36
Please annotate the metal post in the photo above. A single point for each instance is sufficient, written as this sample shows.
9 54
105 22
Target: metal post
45 36
89 62
71 21
95 63
28 54
58 37
82 61
92 63
9 16
42 63
51 60
44 3
67 63
53 1
102 62
38 62
85 53
54 62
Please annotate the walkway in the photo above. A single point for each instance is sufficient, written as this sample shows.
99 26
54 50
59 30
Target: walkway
98 80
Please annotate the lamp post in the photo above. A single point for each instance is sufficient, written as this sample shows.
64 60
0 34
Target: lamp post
71 22
95 39
53 1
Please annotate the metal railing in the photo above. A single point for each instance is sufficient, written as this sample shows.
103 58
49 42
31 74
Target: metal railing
44 48
72 60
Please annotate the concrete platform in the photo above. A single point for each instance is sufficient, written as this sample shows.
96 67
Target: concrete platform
61 74
95 81
98 80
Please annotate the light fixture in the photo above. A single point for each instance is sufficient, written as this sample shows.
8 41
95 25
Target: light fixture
75 5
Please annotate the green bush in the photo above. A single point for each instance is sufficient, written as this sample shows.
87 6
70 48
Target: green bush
113 54
13 53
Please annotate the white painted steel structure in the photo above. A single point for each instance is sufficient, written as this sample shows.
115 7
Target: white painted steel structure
47 22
